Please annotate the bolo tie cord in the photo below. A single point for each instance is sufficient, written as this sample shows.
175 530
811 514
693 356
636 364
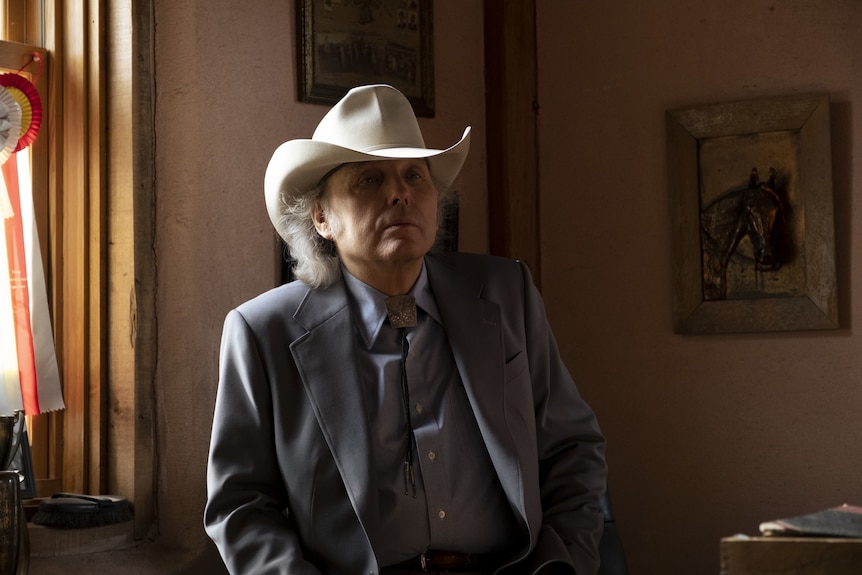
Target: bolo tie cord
401 310
409 473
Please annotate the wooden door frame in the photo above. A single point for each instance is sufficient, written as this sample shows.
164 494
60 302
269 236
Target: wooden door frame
512 140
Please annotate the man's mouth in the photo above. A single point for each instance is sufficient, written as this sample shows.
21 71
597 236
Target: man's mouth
400 224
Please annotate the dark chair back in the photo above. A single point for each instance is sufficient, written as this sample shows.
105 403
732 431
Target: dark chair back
611 546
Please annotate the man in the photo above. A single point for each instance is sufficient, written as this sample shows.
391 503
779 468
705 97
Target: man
394 411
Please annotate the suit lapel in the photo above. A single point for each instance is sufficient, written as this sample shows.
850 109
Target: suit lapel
337 393
474 331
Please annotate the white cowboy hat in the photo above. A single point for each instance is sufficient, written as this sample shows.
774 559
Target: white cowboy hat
368 123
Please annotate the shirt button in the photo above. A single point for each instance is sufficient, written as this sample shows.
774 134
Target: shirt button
418 408
432 456
441 514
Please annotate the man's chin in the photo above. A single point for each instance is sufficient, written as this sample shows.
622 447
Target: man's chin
401 252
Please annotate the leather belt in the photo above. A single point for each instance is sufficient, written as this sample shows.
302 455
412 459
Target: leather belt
433 560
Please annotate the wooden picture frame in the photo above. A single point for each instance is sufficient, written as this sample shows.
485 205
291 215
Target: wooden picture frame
718 154
346 44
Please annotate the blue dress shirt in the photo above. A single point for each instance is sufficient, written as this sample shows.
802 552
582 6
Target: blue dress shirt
459 504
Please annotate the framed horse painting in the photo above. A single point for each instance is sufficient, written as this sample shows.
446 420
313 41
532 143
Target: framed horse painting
752 214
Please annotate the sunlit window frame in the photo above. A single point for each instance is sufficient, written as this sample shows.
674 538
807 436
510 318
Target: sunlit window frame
19 58
99 266
22 27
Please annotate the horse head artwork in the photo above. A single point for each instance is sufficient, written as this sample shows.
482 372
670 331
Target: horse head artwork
753 211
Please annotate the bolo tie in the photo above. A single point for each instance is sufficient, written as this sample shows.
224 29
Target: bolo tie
401 310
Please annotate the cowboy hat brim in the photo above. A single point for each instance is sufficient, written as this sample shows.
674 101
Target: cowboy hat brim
297 166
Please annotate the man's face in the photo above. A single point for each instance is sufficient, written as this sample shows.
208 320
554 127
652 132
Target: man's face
382 215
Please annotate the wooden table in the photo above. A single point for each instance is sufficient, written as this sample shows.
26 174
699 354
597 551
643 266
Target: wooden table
742 555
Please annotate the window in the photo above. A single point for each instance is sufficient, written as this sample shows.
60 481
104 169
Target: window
100 273
18 55
69 219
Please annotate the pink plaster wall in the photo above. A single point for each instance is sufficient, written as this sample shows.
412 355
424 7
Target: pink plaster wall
708 435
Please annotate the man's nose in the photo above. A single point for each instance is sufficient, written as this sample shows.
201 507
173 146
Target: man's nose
399 191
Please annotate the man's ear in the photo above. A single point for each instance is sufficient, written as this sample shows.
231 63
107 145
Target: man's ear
318 217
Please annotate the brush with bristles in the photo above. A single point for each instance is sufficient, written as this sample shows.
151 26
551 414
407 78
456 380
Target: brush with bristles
76 511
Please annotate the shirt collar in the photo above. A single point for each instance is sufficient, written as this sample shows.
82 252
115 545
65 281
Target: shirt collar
369 307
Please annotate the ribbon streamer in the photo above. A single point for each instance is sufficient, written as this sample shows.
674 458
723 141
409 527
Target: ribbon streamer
29 375
17 258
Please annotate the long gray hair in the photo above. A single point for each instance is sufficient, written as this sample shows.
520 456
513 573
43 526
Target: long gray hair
315 259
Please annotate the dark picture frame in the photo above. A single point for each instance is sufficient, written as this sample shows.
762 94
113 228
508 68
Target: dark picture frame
716 153
344 43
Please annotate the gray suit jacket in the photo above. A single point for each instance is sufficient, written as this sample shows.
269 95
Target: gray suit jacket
291 481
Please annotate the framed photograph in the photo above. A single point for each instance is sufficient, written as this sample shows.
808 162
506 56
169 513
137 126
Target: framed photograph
346 43
751 208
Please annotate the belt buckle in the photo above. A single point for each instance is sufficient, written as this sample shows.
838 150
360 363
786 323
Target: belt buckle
423 563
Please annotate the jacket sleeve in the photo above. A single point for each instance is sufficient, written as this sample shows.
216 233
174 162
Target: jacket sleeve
245 512
570 445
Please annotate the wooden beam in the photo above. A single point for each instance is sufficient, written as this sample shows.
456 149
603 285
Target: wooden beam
145 334
74 250
511 119
97 396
